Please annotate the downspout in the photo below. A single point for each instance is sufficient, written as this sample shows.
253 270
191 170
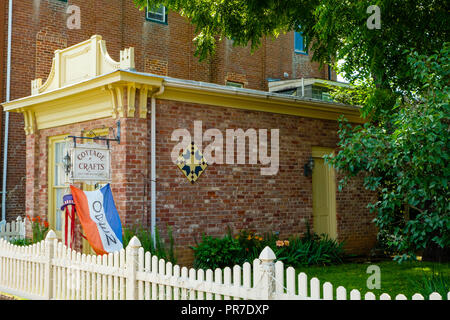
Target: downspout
8 95
153 162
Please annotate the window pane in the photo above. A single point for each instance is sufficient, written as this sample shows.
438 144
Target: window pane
235 84
299 42
58 203
60 153
158 13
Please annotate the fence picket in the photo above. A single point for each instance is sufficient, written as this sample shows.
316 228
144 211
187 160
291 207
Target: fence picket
50 270
237 279
218 281
355 295
418 296
209 281
122 264
155 273
104 278
141 265
247 275
302 284
148 268
256 276
116 276
341 293
200 279
315 288
290 281
99 279
327 291
169 271
227 280
184 278
192 292
435 296
279 277
110 276
369 296
176 290
385 296
88 277
162 273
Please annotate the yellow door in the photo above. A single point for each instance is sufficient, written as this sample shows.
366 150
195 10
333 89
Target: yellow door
324 194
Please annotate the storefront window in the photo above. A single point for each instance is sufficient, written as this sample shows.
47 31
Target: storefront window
57 186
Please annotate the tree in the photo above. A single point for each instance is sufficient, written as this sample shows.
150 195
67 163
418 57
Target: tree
400 73
335 29
405 157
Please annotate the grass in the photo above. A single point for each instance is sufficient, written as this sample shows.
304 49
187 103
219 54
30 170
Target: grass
406 278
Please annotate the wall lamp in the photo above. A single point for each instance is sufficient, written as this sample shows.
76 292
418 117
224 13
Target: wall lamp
67 163
308 167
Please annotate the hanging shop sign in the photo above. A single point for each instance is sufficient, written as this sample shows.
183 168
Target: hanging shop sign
90 162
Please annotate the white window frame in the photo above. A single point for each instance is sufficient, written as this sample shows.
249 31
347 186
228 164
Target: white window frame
163 15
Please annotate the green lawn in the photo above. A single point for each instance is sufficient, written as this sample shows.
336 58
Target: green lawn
395 278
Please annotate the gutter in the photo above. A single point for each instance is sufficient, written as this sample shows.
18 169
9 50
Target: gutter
8 96
153 162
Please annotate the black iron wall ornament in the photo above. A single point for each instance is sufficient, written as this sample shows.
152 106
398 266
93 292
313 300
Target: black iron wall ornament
108 140
308 167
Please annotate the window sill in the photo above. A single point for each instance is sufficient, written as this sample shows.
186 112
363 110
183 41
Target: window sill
157 21
301 52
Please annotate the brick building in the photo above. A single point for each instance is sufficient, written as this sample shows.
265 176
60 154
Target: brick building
162 47
82 101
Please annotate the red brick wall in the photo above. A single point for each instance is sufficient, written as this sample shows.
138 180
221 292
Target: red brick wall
130 163
238 195
3 57
40 28
225 195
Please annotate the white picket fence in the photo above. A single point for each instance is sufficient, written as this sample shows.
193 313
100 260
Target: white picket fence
50 270
13 230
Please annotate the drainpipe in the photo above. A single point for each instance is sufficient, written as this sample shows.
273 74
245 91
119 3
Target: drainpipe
303 87
8 94
153 162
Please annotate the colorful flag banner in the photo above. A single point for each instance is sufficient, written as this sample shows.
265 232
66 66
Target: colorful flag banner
99 218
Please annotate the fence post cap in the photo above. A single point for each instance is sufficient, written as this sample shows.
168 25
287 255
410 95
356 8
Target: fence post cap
51 235
267 254
134 243
19 218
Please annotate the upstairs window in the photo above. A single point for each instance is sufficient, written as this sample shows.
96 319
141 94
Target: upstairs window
234 84
300 45
156 14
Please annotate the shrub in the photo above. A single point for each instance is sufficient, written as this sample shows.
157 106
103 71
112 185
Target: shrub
21 242
436 282
311 249
39 227
159 249
315 250
212 253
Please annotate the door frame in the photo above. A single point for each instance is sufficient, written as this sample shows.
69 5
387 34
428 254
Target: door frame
50 175
320 152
